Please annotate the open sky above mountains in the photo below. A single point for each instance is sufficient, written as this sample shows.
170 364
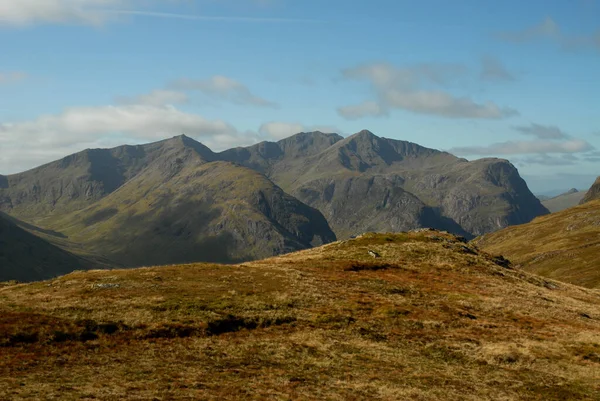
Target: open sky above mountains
507 79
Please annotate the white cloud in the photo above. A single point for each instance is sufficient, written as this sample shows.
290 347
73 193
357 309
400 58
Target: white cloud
23 12
159 97
11 77
97 12
542 131
222 88
30 143
525 147
408 88
279 130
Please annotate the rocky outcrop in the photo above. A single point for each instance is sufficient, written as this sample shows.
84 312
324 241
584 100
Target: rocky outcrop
593 193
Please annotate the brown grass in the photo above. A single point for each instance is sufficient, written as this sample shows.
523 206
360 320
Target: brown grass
432 318
564 246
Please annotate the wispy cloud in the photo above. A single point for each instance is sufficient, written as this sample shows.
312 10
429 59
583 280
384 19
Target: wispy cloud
549 29
222 88
410 88
98 12
493 69
542 131
525 147
191 17
159 97
11 77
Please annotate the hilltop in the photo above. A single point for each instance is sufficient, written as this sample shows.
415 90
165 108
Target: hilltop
563 245
431 318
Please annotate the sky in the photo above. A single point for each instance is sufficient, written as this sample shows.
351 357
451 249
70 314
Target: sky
478 78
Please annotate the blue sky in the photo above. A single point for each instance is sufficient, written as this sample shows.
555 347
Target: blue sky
511 79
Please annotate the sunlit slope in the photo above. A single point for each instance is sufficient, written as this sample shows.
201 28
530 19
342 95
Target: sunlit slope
564 245
431 318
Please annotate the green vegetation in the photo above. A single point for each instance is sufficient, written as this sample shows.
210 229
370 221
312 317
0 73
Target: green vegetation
431 318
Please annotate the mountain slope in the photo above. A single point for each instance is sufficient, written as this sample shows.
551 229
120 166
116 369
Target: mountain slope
564 245
214 212
593 193
25 257
432 318
564 201
165 202
81 179
364 183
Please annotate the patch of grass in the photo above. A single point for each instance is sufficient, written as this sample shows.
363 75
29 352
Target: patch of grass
435 323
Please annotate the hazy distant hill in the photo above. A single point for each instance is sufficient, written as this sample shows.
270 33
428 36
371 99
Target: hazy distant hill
564 201
593 193
25 257
367 183
563 245
166 202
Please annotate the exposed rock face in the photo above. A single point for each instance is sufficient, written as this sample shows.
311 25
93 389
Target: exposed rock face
364 182
162 203
25 257
593 193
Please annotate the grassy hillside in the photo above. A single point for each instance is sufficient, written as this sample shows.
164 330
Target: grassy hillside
432 318
564 245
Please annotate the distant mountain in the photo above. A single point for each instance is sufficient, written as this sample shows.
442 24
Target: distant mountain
25 257
563 245
176 201
367 183
162 203
564 201
593 193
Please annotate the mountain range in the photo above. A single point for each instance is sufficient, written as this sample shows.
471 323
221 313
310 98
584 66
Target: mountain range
176 201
